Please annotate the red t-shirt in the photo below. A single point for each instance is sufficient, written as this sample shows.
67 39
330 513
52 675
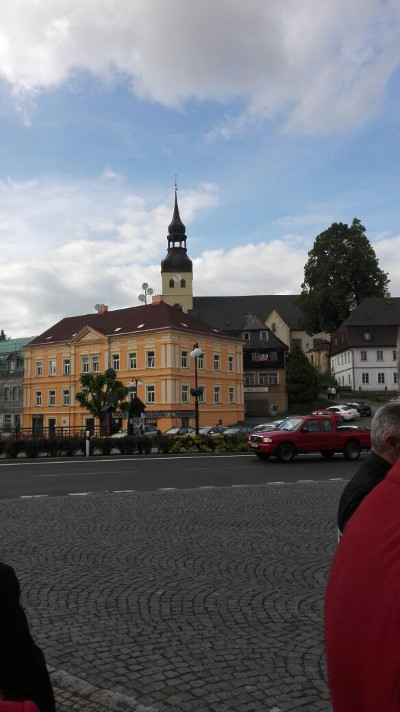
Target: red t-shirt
362 606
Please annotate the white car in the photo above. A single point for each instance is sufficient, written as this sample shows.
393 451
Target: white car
267 426
344 411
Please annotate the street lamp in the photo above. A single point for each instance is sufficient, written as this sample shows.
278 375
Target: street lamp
196 391
135 382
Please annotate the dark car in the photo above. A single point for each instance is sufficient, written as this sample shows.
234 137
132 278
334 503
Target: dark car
363 408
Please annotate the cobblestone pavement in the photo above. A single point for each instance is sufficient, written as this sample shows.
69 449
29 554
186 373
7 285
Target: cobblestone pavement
205 600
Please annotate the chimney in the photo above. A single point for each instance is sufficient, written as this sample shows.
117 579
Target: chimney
387 295
102 308
157 298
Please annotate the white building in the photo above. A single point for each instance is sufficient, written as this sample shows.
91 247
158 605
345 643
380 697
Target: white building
364 348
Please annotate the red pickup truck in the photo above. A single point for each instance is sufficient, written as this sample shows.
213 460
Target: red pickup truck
310 433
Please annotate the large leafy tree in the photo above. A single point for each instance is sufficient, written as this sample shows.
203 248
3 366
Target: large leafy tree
302 379
342 270
100 390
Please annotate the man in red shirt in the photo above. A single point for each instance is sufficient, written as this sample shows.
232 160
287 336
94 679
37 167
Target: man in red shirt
362 606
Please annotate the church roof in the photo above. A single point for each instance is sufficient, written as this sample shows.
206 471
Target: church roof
230 313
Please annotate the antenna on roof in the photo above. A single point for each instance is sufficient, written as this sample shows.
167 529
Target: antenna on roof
147 292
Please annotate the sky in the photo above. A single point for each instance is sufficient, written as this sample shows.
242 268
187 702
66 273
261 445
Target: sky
275 119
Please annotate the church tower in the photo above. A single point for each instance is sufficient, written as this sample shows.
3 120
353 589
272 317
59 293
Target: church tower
176 267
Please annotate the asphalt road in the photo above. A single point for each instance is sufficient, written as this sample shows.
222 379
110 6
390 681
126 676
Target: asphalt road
80 476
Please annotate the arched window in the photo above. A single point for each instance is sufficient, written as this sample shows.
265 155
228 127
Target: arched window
171 283
273 327
183 282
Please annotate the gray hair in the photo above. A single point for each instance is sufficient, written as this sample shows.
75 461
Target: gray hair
386 421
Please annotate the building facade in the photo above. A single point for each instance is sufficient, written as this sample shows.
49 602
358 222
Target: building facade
11 384
363 353
148 346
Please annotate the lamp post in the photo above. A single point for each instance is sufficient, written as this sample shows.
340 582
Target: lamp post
134 383
196 391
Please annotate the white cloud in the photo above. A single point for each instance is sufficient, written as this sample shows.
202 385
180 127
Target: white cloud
316 66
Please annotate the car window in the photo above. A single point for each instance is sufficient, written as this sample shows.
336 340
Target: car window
311 426
291 424
327 425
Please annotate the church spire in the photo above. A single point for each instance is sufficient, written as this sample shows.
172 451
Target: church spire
176 228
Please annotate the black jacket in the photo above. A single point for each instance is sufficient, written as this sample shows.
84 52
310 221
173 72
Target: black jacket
370 473
23 672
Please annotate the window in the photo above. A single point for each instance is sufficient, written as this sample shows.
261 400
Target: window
150 394
12 365
246 336
395 377
231 394
379 355
39 368
133 360
95 364
184 359
15 393
115 362
183 282
327 426
365 377
394 355
200 362
263 335
85 364
38 398
66 398
217 394
217 362
230 364
202 396
150 359
7 422
268 378
367 335
52 367
381 377
66 367
52 397
171 283
312 426
363 355
248 379
6 393
273 356
185 394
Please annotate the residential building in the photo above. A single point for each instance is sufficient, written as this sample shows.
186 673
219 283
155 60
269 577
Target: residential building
11 383
150 343
364 348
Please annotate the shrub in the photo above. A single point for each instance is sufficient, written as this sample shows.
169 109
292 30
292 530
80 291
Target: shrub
144 444
33 447
164 444
126 446
14 447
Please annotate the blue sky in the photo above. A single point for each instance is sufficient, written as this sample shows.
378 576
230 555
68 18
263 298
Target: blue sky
277 118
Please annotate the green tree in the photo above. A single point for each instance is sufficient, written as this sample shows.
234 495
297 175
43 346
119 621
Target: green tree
302 379
3 337
100 389
342 270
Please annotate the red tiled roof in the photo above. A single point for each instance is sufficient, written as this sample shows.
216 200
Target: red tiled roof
149 317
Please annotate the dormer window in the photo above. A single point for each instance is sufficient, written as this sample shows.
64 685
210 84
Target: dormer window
367 335
263 335
246 335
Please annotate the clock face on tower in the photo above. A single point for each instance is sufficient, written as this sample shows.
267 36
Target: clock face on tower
177 277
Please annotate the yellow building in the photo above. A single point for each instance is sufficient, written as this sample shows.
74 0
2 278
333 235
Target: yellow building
151 344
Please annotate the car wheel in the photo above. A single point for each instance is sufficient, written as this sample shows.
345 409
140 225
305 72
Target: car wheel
327 454
263 455
352 450
286 452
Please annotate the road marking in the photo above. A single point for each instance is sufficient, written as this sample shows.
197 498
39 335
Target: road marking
275 483
123 491
336 479
78 494
306 480
207 487
32 496
167 489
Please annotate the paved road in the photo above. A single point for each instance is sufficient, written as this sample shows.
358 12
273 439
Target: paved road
78 476
192 600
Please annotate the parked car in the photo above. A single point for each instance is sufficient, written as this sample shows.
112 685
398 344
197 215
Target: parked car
211 430
238 430
179 431
149 430
268 426
344 411
363 408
